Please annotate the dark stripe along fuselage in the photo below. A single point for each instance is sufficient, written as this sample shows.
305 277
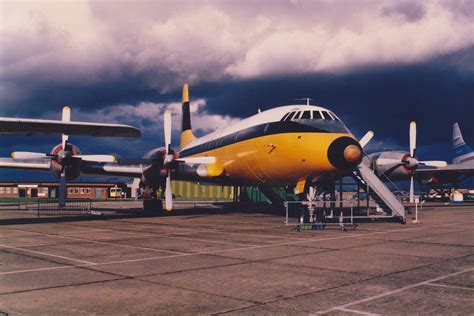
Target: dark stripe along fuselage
272 128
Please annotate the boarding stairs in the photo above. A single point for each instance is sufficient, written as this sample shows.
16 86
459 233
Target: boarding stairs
378 191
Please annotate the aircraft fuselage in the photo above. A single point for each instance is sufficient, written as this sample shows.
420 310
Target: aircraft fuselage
272 149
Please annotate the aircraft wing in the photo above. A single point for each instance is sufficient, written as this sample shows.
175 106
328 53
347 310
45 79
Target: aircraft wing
45 127
449 169
87 167
449 174
28 164
130 169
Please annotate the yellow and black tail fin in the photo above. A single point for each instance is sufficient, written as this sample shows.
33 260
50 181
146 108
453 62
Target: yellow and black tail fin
187 135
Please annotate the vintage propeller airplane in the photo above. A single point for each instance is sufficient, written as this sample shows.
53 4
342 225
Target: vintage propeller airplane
295 145
461 168
400 165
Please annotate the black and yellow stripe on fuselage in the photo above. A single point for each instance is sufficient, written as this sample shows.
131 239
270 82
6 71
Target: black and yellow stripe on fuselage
259 156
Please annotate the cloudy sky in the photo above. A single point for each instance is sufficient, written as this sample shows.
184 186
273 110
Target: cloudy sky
377 64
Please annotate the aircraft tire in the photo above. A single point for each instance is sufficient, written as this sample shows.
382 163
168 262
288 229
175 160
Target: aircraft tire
153 207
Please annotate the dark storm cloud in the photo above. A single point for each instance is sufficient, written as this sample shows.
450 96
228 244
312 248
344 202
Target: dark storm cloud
95 54
385 99
411 11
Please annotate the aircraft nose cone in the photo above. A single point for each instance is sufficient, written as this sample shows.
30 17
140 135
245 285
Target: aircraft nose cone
345 153
352 153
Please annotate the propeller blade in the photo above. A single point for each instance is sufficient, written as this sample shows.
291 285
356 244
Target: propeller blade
387 161
412 138
62 188
203 160
434 163
28 155
168 193
167 127
66 117
97 158
412 190
367 137
392 169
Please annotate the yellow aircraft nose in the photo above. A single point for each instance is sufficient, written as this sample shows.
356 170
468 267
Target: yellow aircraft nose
345 153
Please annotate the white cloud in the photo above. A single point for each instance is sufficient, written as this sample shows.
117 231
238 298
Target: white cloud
148 117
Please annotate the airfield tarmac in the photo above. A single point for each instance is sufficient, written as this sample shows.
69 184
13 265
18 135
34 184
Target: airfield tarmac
238 262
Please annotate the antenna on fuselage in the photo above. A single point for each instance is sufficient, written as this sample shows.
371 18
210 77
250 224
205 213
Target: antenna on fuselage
307 100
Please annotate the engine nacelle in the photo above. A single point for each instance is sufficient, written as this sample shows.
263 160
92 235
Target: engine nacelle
393 172
154 175
72 165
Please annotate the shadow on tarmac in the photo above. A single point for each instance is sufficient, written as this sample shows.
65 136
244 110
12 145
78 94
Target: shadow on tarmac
113 213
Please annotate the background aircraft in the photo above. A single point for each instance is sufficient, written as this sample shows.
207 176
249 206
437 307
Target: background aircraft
401 165
462 166
290 145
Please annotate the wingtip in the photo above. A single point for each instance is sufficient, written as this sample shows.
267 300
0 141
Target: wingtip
66 108
13 154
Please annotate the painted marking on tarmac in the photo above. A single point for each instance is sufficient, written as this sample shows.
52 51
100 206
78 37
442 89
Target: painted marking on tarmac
451 286
111 243
297 238
371 298
41 269
254 247
356 312
167 235
196 253
145 235
240 249
45 254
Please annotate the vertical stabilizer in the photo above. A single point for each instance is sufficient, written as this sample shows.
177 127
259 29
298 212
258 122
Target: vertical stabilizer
187 135
460 149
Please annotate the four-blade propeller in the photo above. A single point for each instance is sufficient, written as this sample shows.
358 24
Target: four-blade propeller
170 158
65 156
410 161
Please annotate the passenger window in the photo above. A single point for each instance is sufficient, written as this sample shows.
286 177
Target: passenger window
284 117
306 115
317 115
290 116
297 115
326 115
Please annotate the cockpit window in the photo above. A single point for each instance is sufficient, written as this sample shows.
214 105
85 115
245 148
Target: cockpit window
289 117
334 116
285 116
297 116
306 115
317 115
326 115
